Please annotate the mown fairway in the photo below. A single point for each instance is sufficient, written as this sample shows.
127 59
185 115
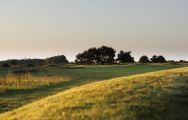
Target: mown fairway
26 91
152 96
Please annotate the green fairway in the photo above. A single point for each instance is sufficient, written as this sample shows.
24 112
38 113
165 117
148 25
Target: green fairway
12 97
151 96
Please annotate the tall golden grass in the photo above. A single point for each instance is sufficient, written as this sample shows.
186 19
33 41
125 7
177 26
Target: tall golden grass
29 80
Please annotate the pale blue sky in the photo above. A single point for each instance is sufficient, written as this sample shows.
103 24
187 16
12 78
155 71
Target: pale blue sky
42 28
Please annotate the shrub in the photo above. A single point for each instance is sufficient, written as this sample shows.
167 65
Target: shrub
144 59
161 59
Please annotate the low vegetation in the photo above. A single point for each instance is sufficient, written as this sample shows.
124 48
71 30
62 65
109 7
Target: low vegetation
151 96
29 81
60 59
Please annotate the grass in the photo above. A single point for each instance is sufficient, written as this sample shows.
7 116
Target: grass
151 96
19 95
20 81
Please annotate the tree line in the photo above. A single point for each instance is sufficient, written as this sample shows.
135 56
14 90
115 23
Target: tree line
60 59
106 55
94 55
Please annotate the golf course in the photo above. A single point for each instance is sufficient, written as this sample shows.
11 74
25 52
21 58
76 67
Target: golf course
129 91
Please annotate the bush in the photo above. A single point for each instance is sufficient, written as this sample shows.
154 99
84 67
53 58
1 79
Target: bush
154 59
158 59
60 59
144 59
161 59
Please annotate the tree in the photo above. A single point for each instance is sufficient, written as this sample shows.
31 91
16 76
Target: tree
106 55
154 59
102 55
92 55
125 57
161 59
158 59
144 59
79 59
87 57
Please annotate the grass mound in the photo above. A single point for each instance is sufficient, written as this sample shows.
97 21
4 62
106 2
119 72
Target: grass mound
151 96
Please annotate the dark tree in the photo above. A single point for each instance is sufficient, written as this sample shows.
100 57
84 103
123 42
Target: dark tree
79 58
144 59
87 57
125 57
161 59
92 55
106 55
154 59
102 55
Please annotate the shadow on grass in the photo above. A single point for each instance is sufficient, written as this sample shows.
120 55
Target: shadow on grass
14 98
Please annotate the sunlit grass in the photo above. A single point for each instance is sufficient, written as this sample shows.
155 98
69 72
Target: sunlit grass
14 96
28 80
151 96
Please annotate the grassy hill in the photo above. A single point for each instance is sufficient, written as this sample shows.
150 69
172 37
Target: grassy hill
150 96
16 91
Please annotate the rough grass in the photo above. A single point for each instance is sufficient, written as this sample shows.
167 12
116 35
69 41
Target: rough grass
29 81
151 96
14 97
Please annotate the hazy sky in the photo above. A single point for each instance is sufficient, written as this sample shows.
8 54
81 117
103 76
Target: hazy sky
42 28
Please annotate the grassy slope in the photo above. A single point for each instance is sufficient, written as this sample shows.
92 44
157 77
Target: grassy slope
151 96
14 98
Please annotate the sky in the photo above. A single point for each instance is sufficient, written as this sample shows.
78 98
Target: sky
44 28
